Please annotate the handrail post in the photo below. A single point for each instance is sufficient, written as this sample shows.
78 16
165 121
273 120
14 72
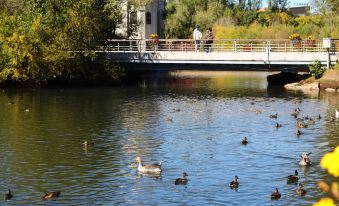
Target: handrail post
235 46
118 46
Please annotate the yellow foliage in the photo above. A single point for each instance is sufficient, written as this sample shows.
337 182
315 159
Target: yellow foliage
331 162
36 25
325 202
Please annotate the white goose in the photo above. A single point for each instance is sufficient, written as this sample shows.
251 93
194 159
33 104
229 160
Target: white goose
150 169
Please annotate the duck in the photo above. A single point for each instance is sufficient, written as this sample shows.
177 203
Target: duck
151 168
293 178
310 121
257 111
274 116
169 119
319 117
50 195
88 144
277 125
183 180
8 195
305 159
234 183
298 132
244 141
275 194
295 113
300 190
301 124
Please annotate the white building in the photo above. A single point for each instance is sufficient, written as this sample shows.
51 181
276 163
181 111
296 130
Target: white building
148 20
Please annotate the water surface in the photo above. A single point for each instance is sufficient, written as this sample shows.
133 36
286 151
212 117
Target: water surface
42 130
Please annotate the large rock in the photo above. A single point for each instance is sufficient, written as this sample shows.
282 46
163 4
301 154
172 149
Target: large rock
297 86
330 79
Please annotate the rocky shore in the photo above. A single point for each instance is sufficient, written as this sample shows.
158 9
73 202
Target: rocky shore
329 82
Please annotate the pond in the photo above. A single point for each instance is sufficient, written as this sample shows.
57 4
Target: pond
191 121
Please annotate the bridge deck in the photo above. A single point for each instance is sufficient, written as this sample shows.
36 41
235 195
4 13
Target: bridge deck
257 52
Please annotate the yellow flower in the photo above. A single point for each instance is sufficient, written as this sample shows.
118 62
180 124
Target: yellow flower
330 161
153 36
325 202
294 37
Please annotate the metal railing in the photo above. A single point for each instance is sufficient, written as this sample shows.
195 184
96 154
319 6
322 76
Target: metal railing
220 45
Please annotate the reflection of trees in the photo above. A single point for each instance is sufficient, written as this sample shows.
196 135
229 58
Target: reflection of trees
45 144
220 83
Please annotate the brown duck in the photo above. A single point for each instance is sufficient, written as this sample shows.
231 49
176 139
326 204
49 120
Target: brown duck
234 183
293 178
50 195
275 194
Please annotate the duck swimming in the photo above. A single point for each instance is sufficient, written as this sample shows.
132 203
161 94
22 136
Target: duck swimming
277 125
244 141
305 159
8 195
293 178
50 195
88 144
234 183
275 194
300 190
150 169
298 132
274 116
310 121
183 180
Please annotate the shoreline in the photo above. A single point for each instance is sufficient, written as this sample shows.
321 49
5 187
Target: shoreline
329 82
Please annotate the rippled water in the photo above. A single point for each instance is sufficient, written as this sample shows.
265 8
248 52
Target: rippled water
41 148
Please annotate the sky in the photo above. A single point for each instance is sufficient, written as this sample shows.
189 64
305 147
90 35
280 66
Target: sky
293 3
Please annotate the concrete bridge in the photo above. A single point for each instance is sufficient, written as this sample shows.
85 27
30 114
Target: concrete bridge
283 53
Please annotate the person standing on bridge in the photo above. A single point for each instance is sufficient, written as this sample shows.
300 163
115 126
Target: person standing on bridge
209 40
197 35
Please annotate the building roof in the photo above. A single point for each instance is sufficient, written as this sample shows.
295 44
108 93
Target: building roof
299 11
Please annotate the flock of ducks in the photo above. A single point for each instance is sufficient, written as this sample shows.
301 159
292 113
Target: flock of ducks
156 169
45 196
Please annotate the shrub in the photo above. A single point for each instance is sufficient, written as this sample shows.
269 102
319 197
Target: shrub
315 69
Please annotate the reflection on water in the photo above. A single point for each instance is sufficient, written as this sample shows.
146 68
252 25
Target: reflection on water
192 122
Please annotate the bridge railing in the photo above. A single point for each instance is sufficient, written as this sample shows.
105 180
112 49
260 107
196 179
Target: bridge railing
218 45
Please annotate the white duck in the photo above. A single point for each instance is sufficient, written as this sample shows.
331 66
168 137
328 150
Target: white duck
305 159
150 169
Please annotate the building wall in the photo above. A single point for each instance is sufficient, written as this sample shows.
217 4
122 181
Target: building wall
156 8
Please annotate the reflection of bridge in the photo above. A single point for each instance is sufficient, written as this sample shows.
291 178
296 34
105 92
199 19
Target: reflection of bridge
236 52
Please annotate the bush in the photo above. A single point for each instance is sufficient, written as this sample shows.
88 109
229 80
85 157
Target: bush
315 69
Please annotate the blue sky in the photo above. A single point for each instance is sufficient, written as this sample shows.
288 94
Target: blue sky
292 2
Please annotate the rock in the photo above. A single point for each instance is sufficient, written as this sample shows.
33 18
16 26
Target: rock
297 86
330 90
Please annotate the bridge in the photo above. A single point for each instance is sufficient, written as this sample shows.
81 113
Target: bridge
279 52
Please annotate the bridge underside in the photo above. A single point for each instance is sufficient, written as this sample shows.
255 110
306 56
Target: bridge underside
213 67
222 60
